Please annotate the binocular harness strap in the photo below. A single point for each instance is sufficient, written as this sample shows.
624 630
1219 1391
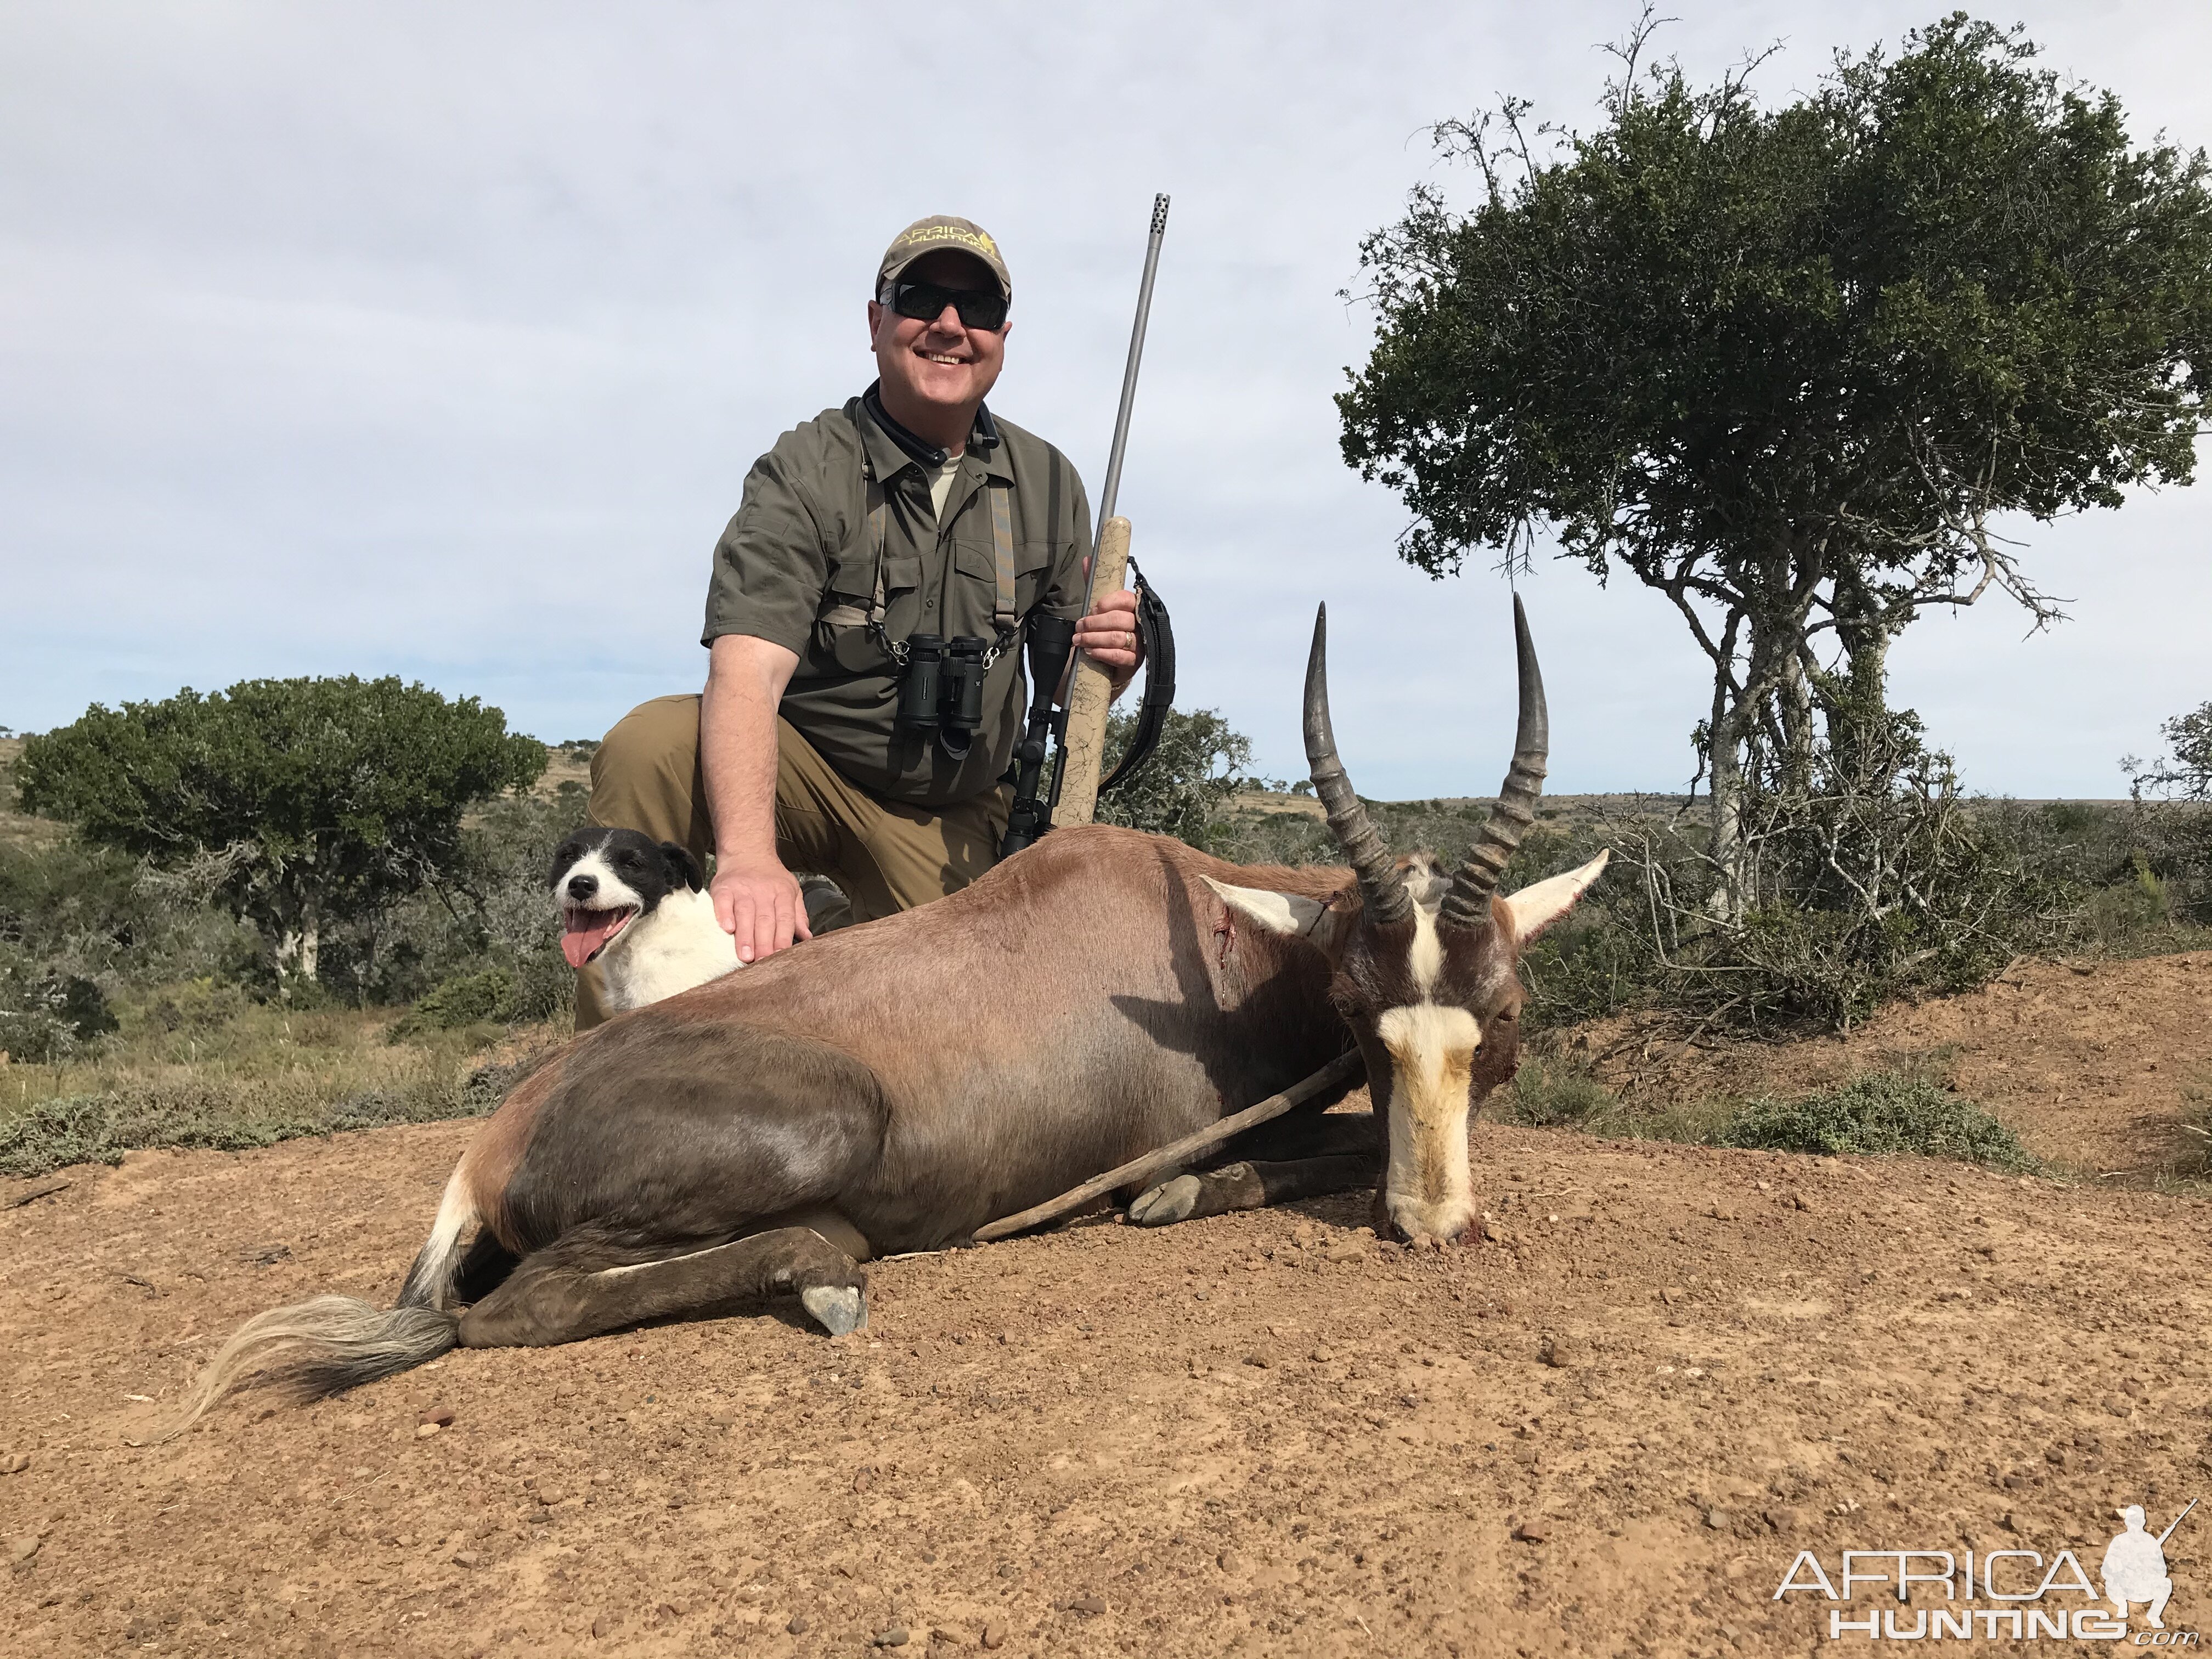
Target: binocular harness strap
1004 620
1002 548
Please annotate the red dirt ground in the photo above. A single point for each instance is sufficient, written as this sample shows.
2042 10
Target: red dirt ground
1258 1434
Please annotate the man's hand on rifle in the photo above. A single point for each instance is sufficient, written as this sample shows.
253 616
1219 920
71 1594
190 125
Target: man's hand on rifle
759 905
1109 634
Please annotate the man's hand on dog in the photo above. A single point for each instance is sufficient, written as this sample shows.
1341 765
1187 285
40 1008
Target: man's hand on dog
1109 634
759 905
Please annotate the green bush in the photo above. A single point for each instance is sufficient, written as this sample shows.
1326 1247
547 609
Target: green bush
1879 1114
1182 790
469 998
1554 1094
201 1115
302 804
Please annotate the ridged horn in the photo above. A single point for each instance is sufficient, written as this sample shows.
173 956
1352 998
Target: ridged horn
1385 895
1468 905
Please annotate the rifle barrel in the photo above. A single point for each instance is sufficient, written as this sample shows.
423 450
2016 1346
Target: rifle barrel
2178 1520
1113 490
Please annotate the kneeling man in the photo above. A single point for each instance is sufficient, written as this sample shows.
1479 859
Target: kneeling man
908 523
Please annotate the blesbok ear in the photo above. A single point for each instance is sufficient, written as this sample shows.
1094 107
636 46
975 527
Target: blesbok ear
1309 919
1536 908
682 867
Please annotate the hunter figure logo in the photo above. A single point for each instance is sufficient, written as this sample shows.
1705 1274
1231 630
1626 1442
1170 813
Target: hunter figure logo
2014 1593
2135 1566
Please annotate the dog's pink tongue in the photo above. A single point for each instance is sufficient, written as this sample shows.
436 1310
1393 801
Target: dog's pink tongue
586 932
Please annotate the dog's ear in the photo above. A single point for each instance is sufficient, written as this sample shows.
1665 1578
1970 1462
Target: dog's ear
682 867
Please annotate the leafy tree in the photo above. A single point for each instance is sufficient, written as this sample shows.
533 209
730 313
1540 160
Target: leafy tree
1181 790
300 803
1786 366
2183 774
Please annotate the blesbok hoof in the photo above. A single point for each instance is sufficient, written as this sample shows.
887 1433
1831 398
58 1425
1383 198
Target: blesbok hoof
840 1310
1169 1202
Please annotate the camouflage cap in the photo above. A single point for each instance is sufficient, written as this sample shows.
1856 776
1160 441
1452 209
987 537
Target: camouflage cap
942 232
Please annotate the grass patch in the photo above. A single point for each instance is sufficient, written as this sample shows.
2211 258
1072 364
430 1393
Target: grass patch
195 1114
199 1064
1878 1113
1556 1094
1551 1093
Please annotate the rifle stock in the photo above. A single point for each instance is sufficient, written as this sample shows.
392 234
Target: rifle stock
1091 696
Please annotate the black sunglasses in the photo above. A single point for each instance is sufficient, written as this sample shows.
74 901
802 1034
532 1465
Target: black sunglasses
979 307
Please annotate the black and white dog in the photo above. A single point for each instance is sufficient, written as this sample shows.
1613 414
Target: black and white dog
639 908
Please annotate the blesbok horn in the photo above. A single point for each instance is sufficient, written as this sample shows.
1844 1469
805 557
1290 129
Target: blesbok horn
1385 894
1468 905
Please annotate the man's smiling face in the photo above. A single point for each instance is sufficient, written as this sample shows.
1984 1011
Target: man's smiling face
939 367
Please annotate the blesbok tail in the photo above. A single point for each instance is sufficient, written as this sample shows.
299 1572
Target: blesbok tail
329 1344
321 1346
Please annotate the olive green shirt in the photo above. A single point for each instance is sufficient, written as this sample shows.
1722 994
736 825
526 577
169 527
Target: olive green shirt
797 566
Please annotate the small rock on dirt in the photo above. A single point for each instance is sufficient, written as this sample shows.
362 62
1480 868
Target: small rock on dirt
994 1635
467 1559
1228 1561
1348 1249
1786 1521
15 1462
425 1430
799 1625
605 1626
1532 1532
441 1415
1559 1352
1087 1604
1718 1519
895 1637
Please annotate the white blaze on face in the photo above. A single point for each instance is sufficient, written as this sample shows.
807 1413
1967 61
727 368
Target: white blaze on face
1428 1187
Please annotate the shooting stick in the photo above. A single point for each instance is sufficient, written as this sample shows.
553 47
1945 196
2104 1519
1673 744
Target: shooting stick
1342 1069
1090 688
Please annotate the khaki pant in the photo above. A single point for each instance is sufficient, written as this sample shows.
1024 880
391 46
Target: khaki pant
887 856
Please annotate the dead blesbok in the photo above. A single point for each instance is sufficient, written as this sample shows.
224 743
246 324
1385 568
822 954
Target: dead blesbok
895 1086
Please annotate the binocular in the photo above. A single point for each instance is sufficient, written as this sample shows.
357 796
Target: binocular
942 690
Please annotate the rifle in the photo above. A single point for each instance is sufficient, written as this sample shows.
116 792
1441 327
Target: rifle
1051 639
2178 1520
1080 724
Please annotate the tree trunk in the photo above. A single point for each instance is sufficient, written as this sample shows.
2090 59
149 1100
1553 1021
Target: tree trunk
299 943
1724 764
1858 700
311 939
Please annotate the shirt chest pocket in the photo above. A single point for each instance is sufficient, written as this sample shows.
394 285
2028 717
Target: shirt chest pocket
841 633
978 570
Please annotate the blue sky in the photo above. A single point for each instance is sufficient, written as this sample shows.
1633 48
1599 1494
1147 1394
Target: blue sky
436 340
